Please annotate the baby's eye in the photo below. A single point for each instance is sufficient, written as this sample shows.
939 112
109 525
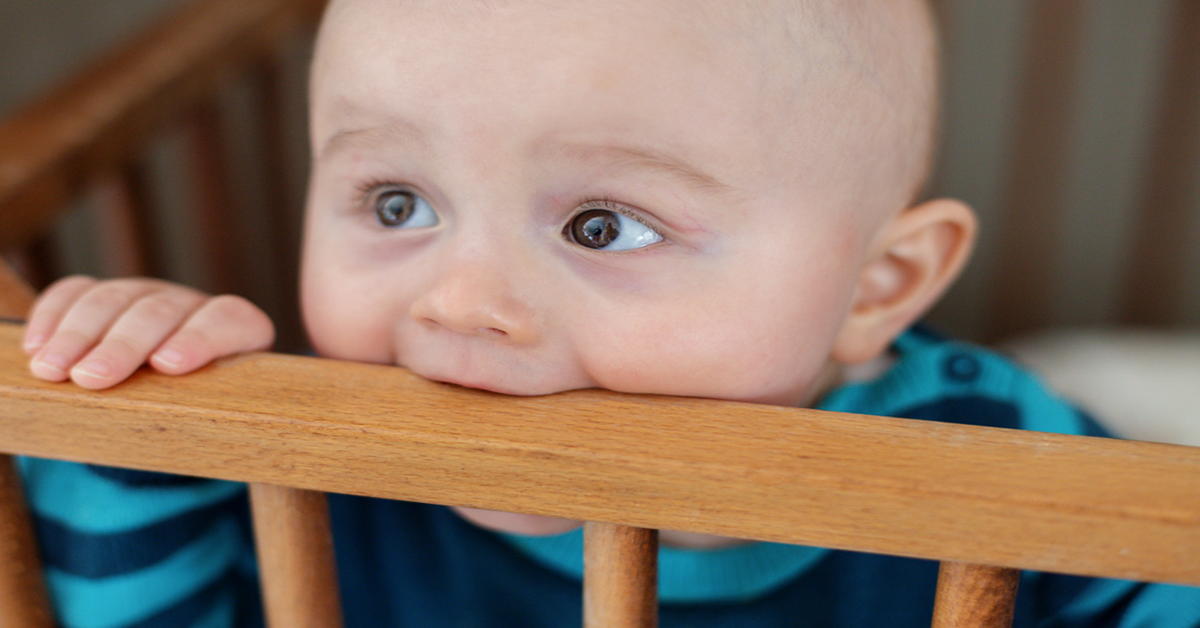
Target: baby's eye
605 229
403 209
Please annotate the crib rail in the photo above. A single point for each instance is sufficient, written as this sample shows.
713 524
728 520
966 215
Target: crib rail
984 501
946 492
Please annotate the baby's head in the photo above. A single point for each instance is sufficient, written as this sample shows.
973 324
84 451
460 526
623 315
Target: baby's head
683 197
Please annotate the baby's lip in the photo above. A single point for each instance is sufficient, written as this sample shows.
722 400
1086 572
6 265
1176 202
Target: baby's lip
516 389
480 385
503 374
476 386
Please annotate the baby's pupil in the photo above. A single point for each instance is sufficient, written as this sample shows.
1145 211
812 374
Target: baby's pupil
394 208
595 228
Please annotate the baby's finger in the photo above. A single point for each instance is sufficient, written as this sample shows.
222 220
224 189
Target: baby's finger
82 325
134 336
224 325
49 308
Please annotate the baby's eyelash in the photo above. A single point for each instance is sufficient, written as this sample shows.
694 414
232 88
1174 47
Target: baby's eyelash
364 190
606 202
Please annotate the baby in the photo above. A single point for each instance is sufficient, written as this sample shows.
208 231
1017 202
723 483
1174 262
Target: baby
683 197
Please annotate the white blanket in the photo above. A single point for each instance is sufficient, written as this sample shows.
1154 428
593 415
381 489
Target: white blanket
1141 384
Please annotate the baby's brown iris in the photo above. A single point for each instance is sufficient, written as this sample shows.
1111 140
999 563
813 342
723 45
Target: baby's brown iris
395 207
595 228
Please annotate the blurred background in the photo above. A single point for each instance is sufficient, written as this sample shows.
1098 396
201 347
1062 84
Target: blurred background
1072 126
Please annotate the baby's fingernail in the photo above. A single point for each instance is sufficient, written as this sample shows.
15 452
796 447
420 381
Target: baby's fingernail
169 358
54 362
98 369
33 343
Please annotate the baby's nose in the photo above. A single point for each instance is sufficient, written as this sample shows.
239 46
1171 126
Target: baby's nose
475 299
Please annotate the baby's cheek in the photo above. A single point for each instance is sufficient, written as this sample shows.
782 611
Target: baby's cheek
346 320
743 361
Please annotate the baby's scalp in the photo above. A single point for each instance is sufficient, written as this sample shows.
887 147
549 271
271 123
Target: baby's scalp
848 88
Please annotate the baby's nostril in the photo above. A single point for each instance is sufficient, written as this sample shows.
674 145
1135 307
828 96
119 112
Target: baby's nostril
494 331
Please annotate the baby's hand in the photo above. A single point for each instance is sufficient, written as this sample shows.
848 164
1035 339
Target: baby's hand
97 333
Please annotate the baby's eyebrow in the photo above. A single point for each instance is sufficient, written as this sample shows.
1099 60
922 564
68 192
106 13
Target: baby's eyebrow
398 131
637 157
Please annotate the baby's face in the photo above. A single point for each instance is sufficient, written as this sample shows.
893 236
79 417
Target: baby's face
549 196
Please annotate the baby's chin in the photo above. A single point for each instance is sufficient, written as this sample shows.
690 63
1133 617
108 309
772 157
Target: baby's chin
515 523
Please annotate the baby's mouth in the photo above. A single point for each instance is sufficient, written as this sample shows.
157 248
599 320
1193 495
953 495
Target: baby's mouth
468 384
465 378
488 367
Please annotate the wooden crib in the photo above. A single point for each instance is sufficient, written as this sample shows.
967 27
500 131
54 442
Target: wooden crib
985 502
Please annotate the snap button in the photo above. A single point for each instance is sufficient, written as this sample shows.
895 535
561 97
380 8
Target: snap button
962 368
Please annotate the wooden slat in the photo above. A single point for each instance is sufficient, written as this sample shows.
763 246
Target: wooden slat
16 297
946 492
1023 286
975 596
294 543
620 576
1155 285
285 215
94 121
123 224
219 251
23 599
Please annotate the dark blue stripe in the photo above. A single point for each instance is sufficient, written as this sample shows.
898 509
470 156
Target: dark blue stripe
105 555
136 478
985 412
967 411
247 609
1091 427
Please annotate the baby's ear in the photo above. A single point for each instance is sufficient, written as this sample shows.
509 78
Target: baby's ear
911 263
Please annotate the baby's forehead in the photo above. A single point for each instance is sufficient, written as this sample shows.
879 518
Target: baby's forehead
778 23
879 44
863 63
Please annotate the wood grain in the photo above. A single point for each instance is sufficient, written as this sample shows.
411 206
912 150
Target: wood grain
945 492
294 543
975 596
620 576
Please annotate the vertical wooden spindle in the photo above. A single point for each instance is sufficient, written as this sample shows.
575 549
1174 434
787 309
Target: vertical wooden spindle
23 599
215 228
1156 285
975 596
1024 290
285 235
620 576
16 297
124 224
295 557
